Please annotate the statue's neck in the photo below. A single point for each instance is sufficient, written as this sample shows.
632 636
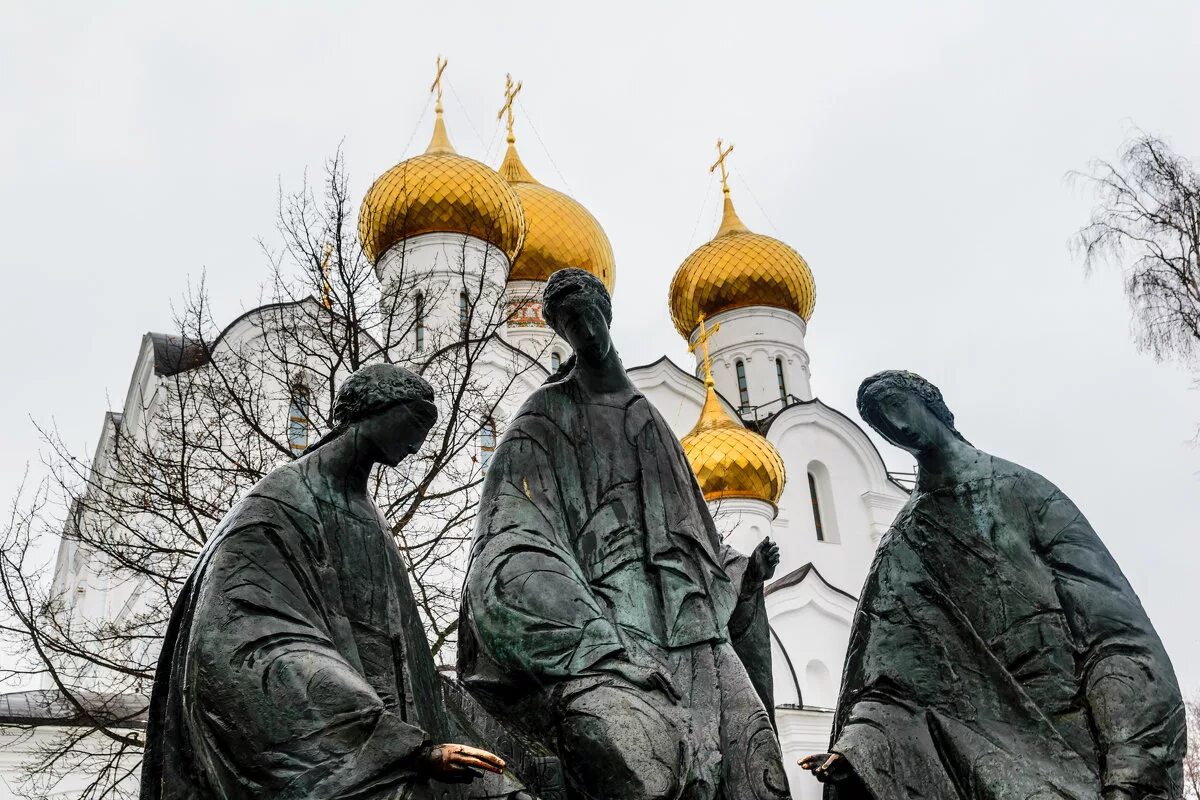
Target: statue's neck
344 465
951 462
606 377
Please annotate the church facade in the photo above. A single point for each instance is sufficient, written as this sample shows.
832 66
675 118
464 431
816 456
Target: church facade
770 457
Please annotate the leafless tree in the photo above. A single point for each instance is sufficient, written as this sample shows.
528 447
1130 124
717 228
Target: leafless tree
224 406
1147 221
1191 761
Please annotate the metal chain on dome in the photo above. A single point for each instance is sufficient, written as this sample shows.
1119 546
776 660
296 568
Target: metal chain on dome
545 149
774 228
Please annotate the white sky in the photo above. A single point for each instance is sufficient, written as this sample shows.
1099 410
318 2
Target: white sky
915 156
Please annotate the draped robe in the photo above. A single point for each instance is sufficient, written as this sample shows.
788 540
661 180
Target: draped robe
295 665
594 545
998 652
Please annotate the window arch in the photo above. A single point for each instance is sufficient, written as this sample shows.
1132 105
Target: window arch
487 441
419 322
739 367
820 493
298 424
555 361
818 685
783 393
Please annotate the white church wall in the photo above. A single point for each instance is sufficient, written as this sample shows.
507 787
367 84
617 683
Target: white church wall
757 336
846 467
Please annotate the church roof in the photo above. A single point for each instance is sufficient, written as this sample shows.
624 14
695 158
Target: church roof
797 576
175 354
50 707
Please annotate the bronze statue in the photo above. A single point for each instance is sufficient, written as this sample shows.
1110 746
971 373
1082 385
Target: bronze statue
998 651
601 611
295 664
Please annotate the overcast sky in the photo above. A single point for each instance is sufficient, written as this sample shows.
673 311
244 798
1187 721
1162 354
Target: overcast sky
914 153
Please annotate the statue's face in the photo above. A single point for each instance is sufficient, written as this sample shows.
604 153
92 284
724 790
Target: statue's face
583 325
398 431
905 421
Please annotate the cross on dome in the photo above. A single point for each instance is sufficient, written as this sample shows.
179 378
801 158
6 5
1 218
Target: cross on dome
722 154
436 86
510 94
702 342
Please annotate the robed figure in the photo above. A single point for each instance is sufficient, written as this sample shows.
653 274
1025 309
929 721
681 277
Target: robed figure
295 665
998 651
601 611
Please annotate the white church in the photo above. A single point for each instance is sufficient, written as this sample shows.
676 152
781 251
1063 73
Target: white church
771 458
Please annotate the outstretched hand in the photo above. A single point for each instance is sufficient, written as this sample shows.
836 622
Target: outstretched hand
827 767
763 561
459 763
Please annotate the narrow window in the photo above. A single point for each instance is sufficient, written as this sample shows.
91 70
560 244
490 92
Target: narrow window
779 377
816 504
464 313
743 387
555 361
298 424
419 327
487 441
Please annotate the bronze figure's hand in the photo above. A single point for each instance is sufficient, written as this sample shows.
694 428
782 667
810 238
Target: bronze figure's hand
458 763
763 561
826 766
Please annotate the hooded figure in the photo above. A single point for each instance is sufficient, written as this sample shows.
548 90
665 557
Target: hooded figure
601 611
997 652
295 664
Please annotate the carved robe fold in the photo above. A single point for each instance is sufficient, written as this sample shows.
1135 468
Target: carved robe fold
998 652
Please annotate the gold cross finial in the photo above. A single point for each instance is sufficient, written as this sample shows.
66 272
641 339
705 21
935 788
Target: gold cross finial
511 91
722 153
436 86
326 289
702 342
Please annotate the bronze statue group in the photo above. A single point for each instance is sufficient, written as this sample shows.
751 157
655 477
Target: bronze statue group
997 652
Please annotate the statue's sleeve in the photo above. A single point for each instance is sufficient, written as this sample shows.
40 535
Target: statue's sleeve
273 702
531 604
1130 686
749 628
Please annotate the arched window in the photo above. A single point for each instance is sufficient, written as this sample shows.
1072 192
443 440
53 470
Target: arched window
298 424
555 361
743 387
818 685
419 322
487 441
464 313
820 492
816 505
779 377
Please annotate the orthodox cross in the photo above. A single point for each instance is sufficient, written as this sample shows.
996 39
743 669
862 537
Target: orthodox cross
326 289
722 153
702 342
510 94
436 86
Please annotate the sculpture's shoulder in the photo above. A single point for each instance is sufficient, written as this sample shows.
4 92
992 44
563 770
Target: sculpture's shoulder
1012 477
550 406
281 500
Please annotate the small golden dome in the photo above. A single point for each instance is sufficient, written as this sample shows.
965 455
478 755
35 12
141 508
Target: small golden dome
440 191
731 460
738 269
559 231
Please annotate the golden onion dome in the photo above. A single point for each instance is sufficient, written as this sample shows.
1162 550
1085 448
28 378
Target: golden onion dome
738 269
730 460
559 231
440 191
